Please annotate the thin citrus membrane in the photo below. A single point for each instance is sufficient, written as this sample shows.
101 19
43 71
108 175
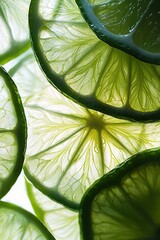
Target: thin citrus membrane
13 133
124 204
14 32
69 146
29 79
132 26
19 224
59 220
88 70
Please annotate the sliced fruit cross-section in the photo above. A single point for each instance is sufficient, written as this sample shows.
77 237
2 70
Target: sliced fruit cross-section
60 221
14 32
124 204
88 70
132 26
12 133
69 146
18 224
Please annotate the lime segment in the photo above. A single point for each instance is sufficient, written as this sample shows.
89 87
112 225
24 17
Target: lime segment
18 224
89 71
60 221
69 146
124 204
12 133
132 26
14 29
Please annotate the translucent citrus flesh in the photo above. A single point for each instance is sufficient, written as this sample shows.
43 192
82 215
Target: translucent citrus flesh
69 147
18 224
14 29
60 221
128 25
12 133
86 69
125 204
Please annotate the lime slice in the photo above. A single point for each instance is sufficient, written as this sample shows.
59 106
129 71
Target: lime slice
14 32
132 26
60 221
69 147
124 204
25 67
86 69
12 133
19 224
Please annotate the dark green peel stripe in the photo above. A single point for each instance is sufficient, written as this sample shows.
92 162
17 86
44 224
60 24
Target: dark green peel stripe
20 132
29 216
51 192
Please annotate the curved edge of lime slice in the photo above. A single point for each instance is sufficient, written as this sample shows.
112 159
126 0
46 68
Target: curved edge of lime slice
47 210
21 220
54 195
122 42
115 178
36 207
89 101
20 132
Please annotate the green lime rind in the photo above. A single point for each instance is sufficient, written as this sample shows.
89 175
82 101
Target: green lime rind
17 223
50 212
14 29
89 71
130 26
124 204
13 133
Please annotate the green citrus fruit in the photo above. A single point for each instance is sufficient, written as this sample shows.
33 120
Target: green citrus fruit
25 67
69 146
124 204
14 32
12 133
19 224
132 26
60 221
88 70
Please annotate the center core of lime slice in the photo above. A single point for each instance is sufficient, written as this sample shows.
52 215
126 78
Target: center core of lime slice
96 122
